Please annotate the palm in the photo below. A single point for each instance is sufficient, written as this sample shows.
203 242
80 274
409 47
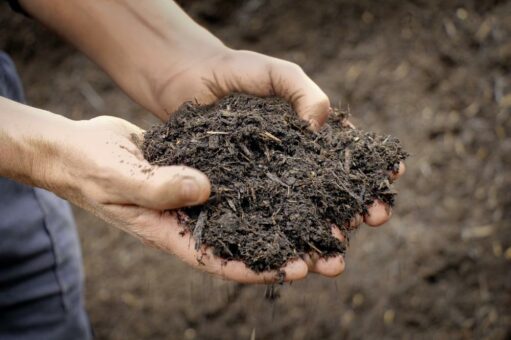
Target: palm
134 196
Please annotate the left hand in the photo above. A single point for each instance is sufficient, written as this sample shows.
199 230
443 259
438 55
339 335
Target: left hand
208 77
223 71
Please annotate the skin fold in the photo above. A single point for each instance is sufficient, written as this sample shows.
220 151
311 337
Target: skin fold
160 57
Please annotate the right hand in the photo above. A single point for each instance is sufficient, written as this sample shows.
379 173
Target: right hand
100 168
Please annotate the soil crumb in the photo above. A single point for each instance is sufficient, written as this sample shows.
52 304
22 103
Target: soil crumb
278 188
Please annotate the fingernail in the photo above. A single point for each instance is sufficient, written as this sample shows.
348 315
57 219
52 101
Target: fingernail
190 190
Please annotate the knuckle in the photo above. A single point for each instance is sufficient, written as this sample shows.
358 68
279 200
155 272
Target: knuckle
109 123
293 67
323 101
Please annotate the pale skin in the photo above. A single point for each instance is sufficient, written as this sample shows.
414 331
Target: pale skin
160 58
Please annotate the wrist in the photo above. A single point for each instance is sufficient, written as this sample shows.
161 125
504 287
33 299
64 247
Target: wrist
32 143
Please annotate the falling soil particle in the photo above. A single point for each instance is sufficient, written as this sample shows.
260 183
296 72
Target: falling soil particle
277 187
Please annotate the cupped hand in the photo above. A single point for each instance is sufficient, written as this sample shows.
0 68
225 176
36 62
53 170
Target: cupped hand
207 77
102 170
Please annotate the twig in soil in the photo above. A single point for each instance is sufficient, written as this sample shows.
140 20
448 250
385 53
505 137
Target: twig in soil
269 135
197 231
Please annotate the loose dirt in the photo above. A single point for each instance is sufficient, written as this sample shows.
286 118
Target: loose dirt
278 188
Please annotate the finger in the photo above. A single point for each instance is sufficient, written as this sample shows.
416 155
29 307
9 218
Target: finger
309 101
336 232
330 267
356 221
311 258
378 214
394 176
327 266
168 187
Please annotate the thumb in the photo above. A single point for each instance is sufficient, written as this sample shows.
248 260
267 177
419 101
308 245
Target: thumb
169 187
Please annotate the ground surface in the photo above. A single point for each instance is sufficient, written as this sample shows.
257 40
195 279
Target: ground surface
436 74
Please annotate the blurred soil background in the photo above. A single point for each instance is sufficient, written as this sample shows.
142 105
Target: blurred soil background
436 74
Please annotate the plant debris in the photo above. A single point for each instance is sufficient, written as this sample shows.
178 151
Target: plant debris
277 187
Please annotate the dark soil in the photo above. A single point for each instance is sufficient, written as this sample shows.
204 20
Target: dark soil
278 188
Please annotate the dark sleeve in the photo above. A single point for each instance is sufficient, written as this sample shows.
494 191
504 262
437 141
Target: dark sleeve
15 5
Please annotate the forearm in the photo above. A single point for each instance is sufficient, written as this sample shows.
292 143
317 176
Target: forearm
134 41
29 140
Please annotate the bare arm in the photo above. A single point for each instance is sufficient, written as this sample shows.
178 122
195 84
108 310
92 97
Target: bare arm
135 42
160 57
26 154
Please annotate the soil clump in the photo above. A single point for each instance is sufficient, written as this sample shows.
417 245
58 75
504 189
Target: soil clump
278 188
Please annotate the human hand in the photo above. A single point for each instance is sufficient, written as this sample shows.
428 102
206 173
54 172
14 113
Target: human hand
208 76
101 169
